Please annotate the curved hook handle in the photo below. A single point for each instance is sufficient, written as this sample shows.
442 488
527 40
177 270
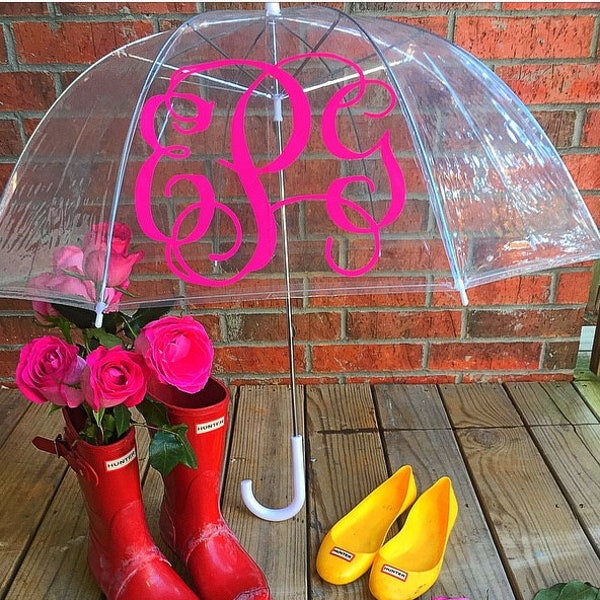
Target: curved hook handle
281 514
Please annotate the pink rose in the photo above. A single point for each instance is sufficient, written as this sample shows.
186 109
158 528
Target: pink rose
112 377
178 350
65 260
94 249
49 370
68 258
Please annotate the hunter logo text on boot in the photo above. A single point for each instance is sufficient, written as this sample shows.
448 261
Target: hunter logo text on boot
394 572
210 426
341 553
118 463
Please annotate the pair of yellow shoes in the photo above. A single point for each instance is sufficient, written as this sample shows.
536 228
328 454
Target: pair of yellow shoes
409 563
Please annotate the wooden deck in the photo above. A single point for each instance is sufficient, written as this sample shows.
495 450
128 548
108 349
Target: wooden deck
524 459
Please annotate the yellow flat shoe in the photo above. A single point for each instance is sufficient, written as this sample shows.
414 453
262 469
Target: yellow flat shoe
348 549
409 564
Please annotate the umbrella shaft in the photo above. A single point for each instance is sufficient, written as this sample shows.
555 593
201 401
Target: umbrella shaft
288 290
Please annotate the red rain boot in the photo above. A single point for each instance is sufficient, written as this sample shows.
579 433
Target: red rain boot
122 555
191 521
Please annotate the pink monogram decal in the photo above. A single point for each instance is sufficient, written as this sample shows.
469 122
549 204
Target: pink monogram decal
248 173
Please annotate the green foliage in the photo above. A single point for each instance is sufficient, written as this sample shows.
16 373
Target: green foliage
573 590
169 447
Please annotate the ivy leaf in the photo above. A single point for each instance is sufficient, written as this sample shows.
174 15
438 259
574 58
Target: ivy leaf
104 338
122 419
169 447
154 413
573 590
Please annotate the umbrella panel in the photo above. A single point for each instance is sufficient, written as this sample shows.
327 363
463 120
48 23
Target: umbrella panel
394 150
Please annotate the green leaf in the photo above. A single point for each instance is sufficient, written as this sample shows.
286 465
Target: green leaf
111 321
98 416
169 447
106 339
80 317
573 590
122 417
142 317
154 413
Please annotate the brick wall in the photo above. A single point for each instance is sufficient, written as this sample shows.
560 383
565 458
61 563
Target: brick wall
523 328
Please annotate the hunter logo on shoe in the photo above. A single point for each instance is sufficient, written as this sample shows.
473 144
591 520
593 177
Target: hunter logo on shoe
341 553
119 463
210 426
394 572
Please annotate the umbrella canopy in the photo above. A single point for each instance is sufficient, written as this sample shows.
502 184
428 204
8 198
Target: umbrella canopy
398 161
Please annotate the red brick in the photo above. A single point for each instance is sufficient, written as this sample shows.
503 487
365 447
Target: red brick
360 299
525 37
435 24
421 324
125 9
256 327
74 42
11 305
548 5
560 355
475 356
29 126
524 323
366 357
548 84
22 9
573 287
412 378
593 204
256 359
559 125
506 377
20 330
532 289
3 57
8 363
591 128
26 91
212 324
10 138
585 170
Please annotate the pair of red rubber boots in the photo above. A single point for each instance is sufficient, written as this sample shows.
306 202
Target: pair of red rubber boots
122 555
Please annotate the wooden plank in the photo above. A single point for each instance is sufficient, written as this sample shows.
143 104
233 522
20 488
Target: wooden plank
574 457
590 390
540 537
12 407
472 566
479 405
261 451
553 403
411 407
572 451
347 462
29 481
55 566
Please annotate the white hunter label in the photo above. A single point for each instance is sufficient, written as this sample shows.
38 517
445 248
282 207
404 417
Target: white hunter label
210 426
394 572
118 463
341 553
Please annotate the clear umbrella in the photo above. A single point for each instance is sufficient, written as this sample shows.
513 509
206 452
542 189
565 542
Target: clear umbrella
287 154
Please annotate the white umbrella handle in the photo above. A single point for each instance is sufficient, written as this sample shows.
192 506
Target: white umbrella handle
281 514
